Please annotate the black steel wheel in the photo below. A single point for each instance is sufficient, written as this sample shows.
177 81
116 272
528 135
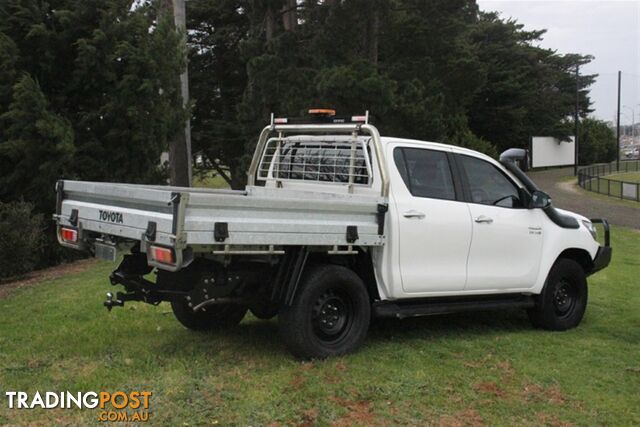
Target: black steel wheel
332 314
563 300
329 316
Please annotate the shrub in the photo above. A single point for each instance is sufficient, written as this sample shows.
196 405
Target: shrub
21 237
468 140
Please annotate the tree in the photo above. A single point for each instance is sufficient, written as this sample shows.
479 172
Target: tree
528 91
88 90
218 80
440 70
109 72
597 142
38 148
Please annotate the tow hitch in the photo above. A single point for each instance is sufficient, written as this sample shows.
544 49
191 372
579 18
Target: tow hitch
110 302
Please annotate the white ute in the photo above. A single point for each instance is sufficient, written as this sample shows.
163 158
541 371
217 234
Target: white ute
338 224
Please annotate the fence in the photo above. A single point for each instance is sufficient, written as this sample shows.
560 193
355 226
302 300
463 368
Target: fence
590 178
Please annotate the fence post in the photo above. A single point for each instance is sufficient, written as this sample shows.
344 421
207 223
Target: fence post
608 188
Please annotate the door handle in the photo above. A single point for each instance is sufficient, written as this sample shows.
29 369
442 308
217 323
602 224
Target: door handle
413 214
483 218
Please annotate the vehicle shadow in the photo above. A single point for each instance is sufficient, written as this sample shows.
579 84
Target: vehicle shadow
450 325
261 338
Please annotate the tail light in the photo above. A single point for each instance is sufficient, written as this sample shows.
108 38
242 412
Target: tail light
69 235
162 255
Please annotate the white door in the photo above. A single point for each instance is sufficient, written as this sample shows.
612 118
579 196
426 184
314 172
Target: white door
506 246
434 223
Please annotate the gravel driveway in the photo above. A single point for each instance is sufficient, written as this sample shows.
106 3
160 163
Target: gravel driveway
567 195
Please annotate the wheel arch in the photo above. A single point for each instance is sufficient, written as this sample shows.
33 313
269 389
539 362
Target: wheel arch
300 260
581 256
360 263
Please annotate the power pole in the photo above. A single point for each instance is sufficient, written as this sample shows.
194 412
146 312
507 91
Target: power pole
618 122
180 148
575 124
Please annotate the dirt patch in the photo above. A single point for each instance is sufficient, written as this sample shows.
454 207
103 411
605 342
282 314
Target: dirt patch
551 420
538 393
479 363
468 417
297 382
569 186
358 413
336 375
309 418
489 387
506 369
39 276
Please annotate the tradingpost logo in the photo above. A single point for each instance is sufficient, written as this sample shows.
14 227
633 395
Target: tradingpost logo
118 406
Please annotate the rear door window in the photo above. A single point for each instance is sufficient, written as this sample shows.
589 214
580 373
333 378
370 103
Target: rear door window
426 173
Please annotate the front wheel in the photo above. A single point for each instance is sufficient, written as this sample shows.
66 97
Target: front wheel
213 317
563 301
329 316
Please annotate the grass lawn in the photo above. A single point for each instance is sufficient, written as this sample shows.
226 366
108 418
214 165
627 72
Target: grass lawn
627 177
210 180
487 368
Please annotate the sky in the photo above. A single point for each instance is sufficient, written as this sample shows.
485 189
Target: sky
607 29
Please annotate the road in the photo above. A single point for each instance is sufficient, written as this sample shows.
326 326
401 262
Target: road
567 195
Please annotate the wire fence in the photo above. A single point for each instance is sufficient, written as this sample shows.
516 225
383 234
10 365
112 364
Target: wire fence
591 178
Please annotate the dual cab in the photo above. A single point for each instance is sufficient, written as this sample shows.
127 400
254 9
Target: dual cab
338 224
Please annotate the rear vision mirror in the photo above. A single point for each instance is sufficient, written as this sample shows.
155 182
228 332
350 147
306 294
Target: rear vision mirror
539 199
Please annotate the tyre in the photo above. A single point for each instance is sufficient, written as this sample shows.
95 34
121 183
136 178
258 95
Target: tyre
264 311
217 316
563 300
329 316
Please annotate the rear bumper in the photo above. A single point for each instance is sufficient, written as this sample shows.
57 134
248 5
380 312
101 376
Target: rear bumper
603 256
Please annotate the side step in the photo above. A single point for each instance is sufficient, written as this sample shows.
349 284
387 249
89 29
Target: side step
444 305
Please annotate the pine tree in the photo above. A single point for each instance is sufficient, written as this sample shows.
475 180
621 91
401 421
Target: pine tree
38 148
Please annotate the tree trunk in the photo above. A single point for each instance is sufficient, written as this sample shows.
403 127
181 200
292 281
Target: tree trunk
290 15
269 24
373 30
179 157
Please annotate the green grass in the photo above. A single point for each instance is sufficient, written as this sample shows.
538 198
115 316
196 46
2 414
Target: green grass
490 368
626 177
209 180
610 187
616 200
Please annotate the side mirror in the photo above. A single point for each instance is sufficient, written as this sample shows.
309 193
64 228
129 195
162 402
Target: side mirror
539 199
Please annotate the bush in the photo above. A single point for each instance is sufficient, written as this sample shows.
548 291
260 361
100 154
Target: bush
467 139
21 238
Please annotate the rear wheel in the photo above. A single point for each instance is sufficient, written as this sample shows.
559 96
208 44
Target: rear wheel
563 301
213 317
264 311
329 316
